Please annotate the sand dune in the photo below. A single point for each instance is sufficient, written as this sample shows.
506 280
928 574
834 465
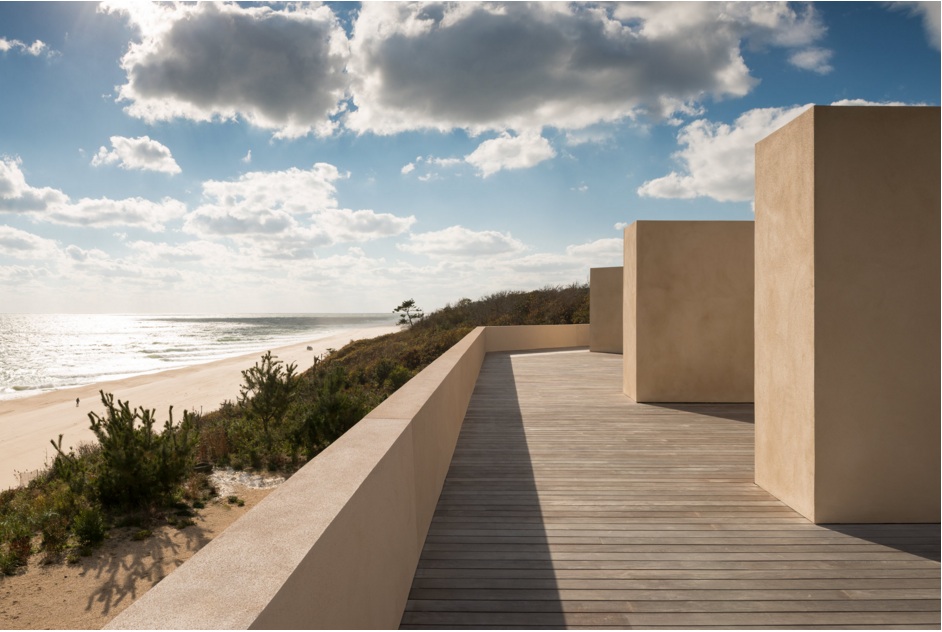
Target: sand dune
28 424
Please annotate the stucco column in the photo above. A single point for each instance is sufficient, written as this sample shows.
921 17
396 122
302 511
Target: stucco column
688 311
847 314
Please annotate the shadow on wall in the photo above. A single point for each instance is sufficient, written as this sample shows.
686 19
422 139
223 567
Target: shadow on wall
488 514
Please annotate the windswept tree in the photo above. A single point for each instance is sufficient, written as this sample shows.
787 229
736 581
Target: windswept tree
409 313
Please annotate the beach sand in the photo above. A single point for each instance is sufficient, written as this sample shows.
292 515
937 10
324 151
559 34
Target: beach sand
87 595
28 424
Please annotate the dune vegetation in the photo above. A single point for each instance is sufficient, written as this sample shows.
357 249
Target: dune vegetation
139 474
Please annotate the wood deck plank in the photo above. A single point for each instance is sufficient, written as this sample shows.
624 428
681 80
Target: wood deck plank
567 505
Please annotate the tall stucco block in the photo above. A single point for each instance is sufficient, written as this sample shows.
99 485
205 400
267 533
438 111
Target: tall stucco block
605 310
847 314
688 311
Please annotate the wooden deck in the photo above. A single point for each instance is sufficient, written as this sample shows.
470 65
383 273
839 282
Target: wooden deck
568 505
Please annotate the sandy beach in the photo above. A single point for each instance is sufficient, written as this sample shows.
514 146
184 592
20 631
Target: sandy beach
28 424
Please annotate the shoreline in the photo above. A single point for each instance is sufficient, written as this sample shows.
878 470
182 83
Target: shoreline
27 424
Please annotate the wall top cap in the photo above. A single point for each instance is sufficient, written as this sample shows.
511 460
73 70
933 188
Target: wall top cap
867 114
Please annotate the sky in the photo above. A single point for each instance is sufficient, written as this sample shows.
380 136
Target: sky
344 157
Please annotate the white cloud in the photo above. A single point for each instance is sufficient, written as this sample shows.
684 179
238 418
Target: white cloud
48 204
102 212
575 138
345 225
813 59
248 157
140 153
865 102
286 74
407 169
186 252
20 244
606 250
931 15
35 49
286 214
551 64
718 160
96 265
510 152
460 242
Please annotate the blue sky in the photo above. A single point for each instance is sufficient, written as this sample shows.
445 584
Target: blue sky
344 157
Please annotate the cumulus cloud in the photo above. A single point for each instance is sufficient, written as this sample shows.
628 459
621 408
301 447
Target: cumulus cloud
345 225
20 244
287 214
510 152
186 252
35 49
48 204
286 74
461 242
814 59
102 212
16 196
141 153
98 265
717 159
931 15
606 250
526 66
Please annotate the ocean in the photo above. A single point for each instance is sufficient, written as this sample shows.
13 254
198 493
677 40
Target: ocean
43 352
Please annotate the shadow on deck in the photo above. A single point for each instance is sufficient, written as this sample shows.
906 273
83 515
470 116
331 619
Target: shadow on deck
569 505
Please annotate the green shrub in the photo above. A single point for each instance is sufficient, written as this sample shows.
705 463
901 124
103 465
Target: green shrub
17 534
141 534
266 394
136 465
397 377
89 526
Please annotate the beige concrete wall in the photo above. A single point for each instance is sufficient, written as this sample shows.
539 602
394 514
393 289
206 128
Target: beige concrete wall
851 310
688 320
336 546
784 316
534 337
605 310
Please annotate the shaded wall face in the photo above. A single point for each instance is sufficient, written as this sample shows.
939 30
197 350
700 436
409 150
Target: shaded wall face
870 237
605 310
689 311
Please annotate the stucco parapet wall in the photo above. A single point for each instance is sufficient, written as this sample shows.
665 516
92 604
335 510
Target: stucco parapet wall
336 546
535 337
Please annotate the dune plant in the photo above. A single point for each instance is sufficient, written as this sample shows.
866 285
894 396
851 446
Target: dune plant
266 394
136 465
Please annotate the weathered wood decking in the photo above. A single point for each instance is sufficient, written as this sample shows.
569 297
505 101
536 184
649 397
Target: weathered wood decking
569 505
